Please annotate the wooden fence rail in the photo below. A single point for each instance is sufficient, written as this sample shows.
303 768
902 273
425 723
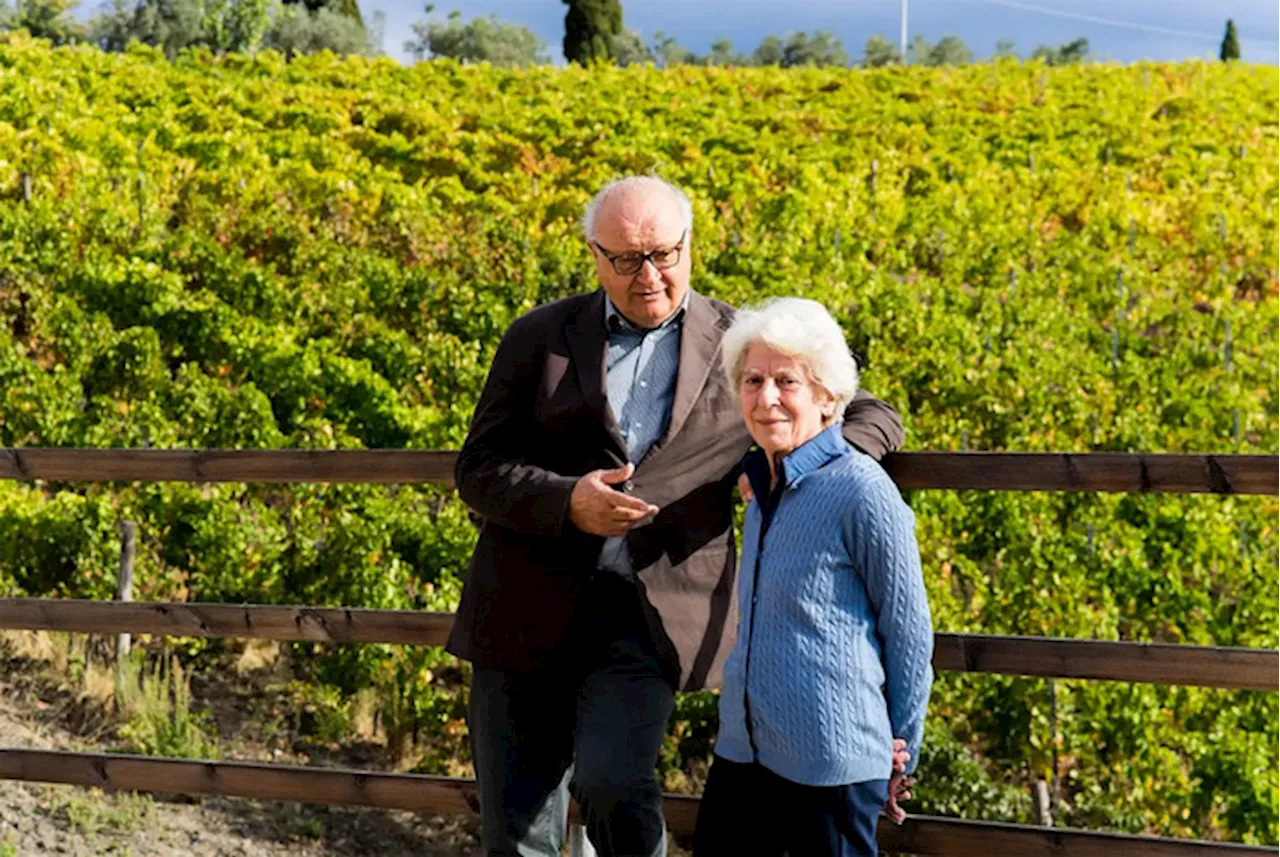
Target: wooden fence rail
924 835
1050 657
991 471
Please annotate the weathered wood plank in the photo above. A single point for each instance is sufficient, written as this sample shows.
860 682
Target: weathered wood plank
241 779
1103 660
924 835
1098 471
1049 657
995 471
953 837
256 621
225 465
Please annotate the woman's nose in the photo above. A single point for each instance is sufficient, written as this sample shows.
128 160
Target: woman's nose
769 392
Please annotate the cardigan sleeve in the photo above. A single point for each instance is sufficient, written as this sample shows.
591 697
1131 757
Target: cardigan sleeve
886 553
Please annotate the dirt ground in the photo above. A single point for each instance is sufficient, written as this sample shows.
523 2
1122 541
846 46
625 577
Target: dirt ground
42 706
39 712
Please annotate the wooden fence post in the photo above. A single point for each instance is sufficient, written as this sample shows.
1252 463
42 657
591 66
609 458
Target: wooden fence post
26 187
1040 797
124 584
1053 744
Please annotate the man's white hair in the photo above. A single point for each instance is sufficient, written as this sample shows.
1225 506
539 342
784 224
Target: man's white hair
634 183
802 329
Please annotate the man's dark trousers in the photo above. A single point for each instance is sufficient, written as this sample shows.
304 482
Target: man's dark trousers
593 731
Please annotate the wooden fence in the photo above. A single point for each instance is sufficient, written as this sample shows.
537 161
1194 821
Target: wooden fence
988 471
1209 666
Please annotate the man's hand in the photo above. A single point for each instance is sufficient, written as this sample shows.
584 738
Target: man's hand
596 508
899 783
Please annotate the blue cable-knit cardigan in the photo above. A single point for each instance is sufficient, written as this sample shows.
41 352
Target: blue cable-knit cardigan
835 643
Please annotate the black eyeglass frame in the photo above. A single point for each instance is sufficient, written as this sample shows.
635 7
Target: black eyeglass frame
678 248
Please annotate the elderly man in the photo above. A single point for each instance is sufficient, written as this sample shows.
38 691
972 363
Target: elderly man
602 457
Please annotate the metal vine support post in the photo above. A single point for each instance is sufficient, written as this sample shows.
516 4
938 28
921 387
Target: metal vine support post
903 35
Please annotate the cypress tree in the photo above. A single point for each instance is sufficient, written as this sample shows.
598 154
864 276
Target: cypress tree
589 28
1230 43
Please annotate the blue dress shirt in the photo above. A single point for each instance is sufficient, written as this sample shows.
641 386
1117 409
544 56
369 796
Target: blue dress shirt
641 384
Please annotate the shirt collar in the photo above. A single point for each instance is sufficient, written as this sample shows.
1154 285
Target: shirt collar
816 452
611 312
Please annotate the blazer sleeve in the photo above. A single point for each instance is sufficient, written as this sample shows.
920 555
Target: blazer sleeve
872 426
492 474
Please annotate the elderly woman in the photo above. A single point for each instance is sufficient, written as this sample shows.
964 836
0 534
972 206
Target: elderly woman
832 660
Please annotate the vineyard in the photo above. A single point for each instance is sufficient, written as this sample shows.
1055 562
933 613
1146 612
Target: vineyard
242 252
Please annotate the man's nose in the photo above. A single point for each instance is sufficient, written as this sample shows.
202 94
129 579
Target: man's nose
648 272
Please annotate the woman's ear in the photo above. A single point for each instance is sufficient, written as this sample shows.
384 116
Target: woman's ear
828 406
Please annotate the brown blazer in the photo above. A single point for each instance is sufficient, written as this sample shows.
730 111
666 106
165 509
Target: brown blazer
542 421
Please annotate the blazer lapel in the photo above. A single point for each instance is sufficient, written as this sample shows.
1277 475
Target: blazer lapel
584 334
699 357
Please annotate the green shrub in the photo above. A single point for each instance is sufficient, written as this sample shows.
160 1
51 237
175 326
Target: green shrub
156 705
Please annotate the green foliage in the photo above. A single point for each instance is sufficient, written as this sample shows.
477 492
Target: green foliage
768 52
954 782
159 721
628 48
590 26
823 49
44 19
1230 49
949 50
878 52
90 812
1074 51
667 52
349 9
170 25
1005 50
238 251
478 40
235 25
296 30
223 26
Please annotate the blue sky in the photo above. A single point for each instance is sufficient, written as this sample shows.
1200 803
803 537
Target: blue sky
1124 30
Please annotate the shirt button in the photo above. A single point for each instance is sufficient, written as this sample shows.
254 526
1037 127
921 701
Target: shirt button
628 485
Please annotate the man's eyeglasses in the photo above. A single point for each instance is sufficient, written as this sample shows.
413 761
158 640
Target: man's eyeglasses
626 264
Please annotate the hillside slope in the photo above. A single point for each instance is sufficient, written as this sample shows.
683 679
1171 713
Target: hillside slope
243 252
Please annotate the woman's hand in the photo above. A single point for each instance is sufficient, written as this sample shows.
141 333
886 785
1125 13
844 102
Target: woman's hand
900 756
899 783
